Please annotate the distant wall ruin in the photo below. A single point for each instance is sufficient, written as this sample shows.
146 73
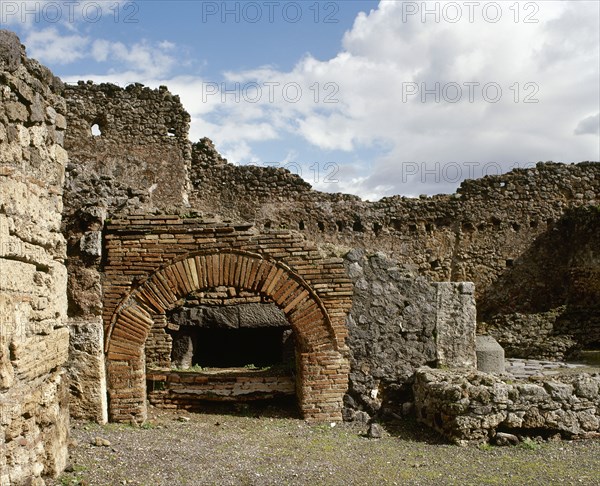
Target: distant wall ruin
527 239
473 235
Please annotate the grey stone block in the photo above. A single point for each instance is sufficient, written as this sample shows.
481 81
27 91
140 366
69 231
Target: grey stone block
490 355
455 324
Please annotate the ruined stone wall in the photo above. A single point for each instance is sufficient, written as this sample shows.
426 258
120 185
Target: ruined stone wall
401 321
141 151
142 160
137 157
33 333
248 193
475 407
547 305
473 235
505 233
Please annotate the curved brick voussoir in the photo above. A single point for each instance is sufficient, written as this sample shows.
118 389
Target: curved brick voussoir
161 292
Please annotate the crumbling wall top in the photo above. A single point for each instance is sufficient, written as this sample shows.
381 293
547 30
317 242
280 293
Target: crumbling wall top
135 112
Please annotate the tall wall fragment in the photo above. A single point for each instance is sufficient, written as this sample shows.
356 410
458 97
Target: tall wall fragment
128 149
33 278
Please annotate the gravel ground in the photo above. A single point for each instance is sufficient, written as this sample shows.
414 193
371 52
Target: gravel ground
267 447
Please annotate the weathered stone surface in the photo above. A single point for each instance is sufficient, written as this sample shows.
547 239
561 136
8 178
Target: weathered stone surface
182 350
91 244
474 406
33 334
391 327
87 370
398 322
490 355
10 51
234 316
455 325
375 431
557 282
504 439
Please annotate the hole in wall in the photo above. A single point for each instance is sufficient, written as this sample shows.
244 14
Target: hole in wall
340 225
321 226
358 226
171 132
442 222
301 225
396 224
377 228
96 130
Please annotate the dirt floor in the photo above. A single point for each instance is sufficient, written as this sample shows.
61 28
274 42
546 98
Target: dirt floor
250 446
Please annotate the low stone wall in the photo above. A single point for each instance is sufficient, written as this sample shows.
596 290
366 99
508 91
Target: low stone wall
473 407
188 390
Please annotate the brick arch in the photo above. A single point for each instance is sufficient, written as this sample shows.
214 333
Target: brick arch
322 368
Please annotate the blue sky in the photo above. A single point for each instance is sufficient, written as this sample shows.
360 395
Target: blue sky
366 97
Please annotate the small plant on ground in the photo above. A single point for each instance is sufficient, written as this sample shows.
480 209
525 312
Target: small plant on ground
529 444
192 369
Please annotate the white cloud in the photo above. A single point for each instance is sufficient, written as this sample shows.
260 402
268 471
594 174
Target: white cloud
100 50
147 59
52 47
52 32
238 153
589 125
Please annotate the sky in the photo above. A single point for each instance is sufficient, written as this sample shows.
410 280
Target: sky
372 98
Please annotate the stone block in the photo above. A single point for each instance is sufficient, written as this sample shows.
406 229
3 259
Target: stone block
86 370
455 325
91 244
490 355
